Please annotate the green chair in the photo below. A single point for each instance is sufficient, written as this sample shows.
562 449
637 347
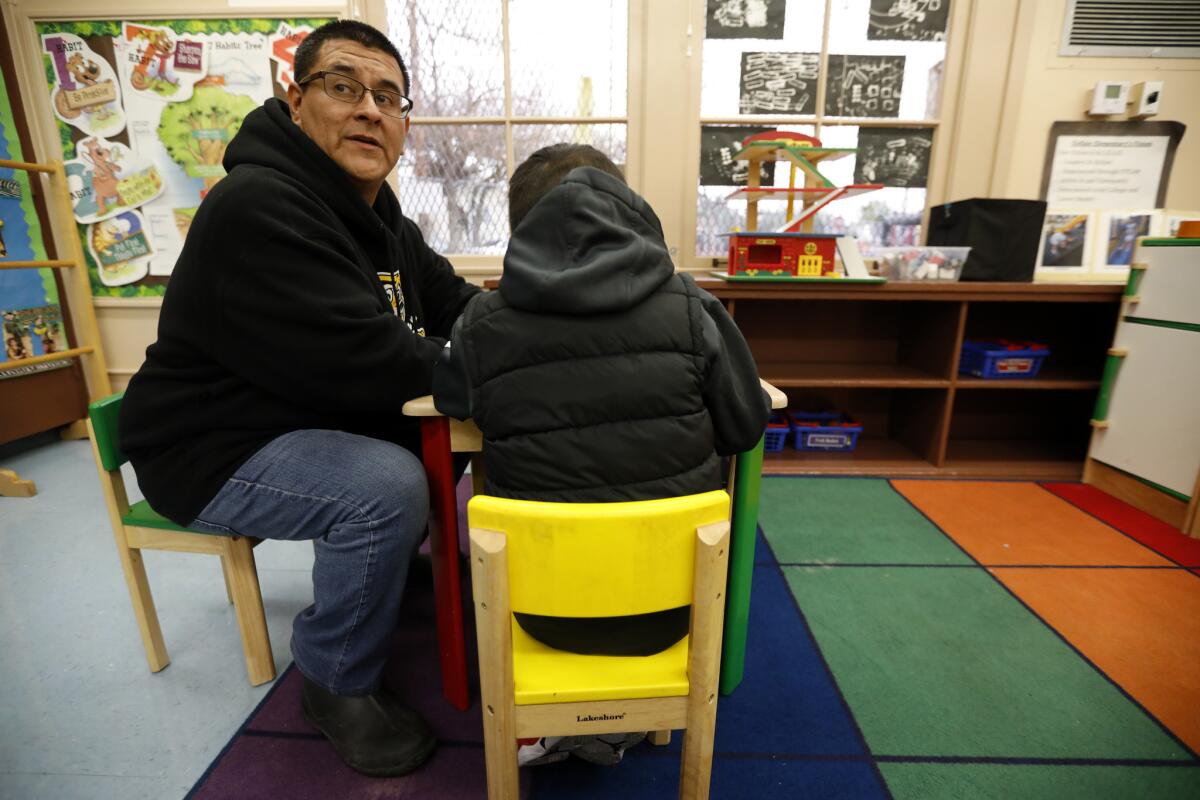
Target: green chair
139 527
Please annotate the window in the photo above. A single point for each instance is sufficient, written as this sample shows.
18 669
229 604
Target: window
493 81
862 74
669 88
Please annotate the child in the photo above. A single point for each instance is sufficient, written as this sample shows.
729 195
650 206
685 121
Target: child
596 373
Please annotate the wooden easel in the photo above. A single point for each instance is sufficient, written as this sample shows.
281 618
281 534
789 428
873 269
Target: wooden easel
83 317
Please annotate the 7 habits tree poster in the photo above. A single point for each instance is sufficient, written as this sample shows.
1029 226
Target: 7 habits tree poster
145 110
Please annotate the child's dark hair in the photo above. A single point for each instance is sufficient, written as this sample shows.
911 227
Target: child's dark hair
545 169
349 30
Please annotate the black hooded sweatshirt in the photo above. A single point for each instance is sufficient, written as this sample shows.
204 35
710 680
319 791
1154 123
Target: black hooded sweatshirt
596 373
294 305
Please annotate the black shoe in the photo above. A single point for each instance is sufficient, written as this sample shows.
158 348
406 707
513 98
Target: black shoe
375 734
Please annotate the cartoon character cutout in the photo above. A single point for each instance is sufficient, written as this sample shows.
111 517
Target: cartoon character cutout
159 64
15 347
30 332
41 329
107 178
284 42
104 175
16 344
83 70
120 248
85 93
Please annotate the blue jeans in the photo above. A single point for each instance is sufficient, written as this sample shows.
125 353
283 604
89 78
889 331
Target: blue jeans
364 503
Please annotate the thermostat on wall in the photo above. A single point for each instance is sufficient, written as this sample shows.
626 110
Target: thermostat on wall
1110 97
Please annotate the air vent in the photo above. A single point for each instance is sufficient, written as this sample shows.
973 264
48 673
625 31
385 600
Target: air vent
1132 28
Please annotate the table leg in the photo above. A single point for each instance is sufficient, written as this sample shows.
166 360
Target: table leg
443 532
746 483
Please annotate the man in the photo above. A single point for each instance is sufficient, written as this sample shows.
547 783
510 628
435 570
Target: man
302 313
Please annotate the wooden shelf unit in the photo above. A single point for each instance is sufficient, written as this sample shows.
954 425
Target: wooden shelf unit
888 354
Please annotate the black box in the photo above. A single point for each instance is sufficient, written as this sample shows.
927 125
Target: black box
1002 234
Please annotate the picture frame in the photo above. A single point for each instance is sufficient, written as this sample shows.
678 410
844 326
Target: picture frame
1171 219
1116 238
1066 243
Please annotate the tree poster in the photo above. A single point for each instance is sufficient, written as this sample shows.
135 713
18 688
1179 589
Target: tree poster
145 110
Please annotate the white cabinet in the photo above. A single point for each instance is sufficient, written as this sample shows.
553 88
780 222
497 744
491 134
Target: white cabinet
1148 417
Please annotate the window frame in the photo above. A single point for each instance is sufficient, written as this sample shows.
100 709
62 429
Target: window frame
956 36
665 49
483 265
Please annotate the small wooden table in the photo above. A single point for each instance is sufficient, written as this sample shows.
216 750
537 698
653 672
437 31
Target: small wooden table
442 436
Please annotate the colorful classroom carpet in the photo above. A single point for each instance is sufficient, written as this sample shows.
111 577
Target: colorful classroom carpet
908 639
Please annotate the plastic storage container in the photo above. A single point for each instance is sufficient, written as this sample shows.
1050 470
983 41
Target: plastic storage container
1001 358
830 431
920 263
778 427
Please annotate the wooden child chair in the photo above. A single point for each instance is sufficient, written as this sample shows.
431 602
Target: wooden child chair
139 527
598 560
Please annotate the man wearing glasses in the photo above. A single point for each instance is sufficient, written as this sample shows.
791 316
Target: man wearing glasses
304 310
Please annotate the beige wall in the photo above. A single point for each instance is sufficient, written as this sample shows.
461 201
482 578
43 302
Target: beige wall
1015 86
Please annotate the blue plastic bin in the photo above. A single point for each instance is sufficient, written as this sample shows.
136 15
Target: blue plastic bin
778 427
1002 358
827 431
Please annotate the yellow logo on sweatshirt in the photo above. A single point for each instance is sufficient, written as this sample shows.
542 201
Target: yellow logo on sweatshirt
395 294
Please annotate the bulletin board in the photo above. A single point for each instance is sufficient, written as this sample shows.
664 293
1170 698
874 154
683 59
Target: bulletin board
144 110
45 394
29 303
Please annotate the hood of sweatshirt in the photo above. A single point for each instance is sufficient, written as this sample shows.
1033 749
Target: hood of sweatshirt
269 138
590 246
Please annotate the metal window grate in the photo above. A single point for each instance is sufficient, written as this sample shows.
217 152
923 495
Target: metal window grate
1132 28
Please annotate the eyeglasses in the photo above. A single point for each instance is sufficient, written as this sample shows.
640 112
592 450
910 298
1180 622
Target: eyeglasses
348 90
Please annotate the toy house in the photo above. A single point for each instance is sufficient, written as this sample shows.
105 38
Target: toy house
793 251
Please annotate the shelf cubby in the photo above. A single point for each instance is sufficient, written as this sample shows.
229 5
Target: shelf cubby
888 354
1019 434
902 430
851 344
1078 335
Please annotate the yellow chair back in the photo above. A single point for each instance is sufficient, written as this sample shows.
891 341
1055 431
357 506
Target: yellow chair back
599 559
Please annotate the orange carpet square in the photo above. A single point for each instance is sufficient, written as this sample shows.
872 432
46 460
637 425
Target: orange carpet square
1022 523
1141 627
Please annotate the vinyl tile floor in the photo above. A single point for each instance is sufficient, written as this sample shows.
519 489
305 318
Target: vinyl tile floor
81 715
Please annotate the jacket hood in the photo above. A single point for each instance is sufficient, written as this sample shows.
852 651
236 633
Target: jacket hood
269 138
590 246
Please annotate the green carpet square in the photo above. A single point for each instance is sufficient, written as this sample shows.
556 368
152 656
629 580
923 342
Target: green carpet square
944 662
1016 781
849 521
